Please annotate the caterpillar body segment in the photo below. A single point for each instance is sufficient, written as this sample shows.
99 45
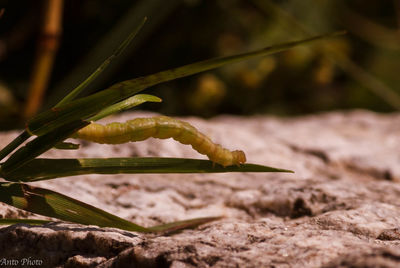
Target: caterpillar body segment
161 127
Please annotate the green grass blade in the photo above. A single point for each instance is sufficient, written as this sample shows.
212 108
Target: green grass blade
66 146
202 66
39 145
52 204
72 95
86 107
14 144
25 221
44 169
125 105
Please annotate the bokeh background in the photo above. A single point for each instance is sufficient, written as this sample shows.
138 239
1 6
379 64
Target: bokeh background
360 70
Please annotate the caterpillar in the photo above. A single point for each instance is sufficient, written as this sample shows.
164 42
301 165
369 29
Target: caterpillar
161 127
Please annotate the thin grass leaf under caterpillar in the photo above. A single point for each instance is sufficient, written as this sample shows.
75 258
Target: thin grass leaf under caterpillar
161 127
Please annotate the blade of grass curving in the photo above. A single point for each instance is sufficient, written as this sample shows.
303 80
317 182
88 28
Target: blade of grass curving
39 145
202 66
14 144
125 105
25 221
85 107
52 204
45 169
72 95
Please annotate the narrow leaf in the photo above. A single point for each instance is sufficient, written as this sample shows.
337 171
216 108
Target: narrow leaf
52 204
66 146
45 169
125 105
72 95
39 145
14 144
86 107
202 66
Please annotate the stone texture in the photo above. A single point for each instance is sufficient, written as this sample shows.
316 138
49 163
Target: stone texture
340 208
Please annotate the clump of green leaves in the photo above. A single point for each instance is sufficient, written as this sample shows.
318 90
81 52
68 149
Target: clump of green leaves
50 128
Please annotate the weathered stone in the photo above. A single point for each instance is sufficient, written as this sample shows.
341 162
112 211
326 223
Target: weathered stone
340 208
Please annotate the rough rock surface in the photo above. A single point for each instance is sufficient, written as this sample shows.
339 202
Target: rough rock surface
340 208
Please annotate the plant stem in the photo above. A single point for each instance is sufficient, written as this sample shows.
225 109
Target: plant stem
47 48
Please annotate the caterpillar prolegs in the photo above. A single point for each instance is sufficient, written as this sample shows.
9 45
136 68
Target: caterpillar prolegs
161 127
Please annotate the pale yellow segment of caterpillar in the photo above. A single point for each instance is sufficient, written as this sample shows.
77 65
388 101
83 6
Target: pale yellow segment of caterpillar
161 127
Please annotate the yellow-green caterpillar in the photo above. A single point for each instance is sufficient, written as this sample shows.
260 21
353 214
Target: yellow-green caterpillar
161 127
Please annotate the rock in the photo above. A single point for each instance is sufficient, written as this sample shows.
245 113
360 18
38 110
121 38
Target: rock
339 209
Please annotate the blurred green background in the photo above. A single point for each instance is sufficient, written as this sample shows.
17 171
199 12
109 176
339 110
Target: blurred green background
359 70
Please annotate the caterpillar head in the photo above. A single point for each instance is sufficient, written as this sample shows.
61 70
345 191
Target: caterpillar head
239 157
